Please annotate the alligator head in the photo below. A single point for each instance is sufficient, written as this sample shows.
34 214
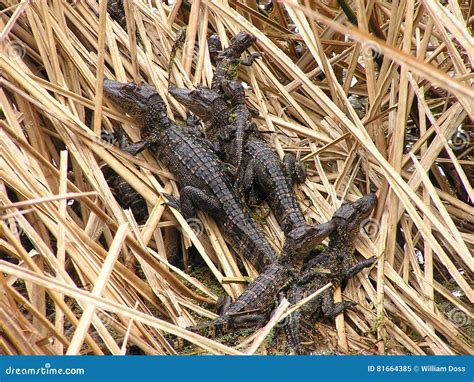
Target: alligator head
202 101
239 44
142 102
301 240
349 218
214 45
235 92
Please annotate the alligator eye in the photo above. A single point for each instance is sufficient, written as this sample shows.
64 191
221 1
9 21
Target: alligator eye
130 87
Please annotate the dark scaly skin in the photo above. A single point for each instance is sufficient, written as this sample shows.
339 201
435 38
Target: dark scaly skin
211 108
335 264
126 195
227 62
214 46
204 184
117 12
252 307
229 59
261 170
240 117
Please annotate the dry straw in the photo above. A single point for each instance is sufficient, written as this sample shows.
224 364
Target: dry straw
385 106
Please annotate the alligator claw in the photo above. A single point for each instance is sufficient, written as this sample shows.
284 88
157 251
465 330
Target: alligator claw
193 121
172 201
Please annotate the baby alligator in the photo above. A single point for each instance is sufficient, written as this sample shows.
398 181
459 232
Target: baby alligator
204 183
228 60
335 264
252 307
261 172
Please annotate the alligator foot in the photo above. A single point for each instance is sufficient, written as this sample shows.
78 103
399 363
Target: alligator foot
295 170
192 198
223 303
251 59
172 201
131 148
359 266
194 122
107 136
331 309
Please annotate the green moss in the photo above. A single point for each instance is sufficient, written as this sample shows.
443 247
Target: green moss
319 249
232 117
231 71
377 324
205 276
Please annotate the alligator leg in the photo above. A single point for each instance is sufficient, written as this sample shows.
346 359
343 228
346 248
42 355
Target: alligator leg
192 198
247 183
331 309
251 59
295 170
359 266
107 136
223 303
247 321
247 177
193 124
193 127
132 148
